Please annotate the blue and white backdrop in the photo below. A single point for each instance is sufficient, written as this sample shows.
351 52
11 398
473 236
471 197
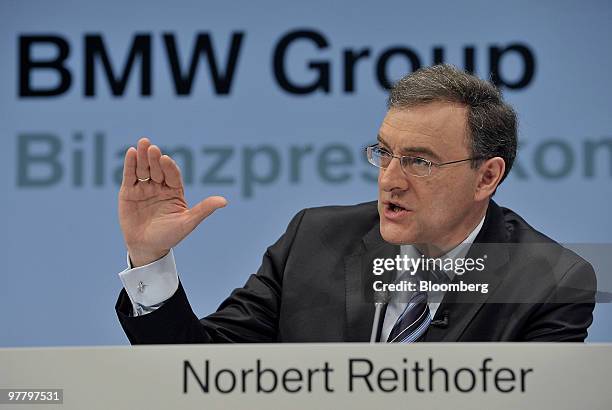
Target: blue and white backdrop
269 104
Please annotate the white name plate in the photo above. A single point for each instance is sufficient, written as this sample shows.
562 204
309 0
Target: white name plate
312 376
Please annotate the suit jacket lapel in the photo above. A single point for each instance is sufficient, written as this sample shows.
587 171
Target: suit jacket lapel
461 307
359 280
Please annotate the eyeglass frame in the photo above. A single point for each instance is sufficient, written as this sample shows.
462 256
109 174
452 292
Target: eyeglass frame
430 163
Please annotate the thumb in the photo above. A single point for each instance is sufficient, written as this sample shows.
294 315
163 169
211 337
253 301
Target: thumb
206 207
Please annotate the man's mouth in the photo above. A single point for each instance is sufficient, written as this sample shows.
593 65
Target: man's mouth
394 211
396 208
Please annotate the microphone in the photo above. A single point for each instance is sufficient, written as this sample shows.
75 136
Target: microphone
441 322
381 298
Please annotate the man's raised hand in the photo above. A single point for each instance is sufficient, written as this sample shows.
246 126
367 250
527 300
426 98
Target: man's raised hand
153 213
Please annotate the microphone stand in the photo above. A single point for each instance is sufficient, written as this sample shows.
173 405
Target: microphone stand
380 306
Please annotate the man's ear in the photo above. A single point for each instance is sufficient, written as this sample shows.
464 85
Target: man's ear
489 176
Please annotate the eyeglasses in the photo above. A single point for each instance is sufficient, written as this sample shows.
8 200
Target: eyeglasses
416 166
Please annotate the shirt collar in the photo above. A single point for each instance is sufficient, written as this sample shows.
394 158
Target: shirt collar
457 252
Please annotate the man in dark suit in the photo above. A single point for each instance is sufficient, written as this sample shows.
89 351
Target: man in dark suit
455 141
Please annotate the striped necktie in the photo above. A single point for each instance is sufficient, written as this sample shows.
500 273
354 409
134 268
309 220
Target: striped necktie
413 322
416 317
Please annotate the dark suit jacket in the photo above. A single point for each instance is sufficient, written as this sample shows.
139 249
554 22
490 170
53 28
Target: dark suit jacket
314 286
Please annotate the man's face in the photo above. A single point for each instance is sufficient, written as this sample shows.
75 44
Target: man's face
438 209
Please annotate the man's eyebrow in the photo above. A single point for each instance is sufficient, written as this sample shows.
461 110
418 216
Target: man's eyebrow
421 150
381 140
412 150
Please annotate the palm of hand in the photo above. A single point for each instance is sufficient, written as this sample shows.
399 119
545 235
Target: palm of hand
153 215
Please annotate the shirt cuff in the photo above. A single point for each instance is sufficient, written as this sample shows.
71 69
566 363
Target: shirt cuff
150 285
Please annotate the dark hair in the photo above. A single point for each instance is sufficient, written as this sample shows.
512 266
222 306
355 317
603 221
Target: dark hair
492 122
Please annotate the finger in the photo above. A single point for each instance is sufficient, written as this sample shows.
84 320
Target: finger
205 208
142 164
129 167
157 174
172 173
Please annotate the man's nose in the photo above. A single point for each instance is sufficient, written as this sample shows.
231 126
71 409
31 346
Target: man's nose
393 177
